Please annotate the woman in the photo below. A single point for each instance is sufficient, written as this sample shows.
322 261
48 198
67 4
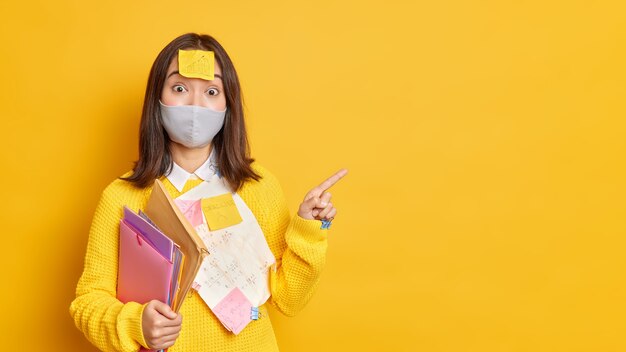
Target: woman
192 131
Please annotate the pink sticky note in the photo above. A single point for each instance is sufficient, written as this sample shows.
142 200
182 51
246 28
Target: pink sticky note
234 311
192 209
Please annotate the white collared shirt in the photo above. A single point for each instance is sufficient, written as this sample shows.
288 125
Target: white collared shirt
179 176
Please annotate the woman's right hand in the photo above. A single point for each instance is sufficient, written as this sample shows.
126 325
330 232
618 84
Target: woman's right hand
160 325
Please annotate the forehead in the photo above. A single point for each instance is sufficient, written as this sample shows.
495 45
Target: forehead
173 66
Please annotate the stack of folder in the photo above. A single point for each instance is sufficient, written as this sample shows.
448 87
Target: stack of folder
160 253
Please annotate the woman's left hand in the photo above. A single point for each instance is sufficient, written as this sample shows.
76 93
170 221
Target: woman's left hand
316 204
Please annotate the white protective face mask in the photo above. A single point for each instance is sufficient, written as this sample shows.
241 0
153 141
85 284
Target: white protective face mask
191 125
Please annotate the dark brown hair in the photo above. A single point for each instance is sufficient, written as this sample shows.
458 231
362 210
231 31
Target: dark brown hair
230 143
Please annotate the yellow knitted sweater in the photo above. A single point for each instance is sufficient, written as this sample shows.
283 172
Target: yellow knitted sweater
298 244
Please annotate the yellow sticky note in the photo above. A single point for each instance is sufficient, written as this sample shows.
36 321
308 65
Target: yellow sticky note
196 64
220 211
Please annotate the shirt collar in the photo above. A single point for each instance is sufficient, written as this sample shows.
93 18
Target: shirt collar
179 176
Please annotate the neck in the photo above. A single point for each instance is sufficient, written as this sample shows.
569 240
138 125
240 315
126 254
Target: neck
189 159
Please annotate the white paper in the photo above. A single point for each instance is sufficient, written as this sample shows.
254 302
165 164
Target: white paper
238 255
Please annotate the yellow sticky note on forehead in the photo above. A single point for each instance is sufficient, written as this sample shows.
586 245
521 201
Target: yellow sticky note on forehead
196 64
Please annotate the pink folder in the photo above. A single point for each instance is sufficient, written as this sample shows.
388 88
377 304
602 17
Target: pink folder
144 274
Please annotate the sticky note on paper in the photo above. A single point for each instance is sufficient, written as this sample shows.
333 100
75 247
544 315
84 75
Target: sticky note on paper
220 211
196 64
234 311
192 210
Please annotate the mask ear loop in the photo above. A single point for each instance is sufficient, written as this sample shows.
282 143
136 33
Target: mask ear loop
226 118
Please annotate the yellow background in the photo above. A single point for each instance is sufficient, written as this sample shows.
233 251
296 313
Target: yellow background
484 205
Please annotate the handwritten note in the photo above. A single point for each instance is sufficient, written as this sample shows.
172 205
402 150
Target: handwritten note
233 262
239 256
191 209
234 311
220 211
196 64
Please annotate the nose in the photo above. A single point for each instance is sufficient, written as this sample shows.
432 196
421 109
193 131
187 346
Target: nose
198 99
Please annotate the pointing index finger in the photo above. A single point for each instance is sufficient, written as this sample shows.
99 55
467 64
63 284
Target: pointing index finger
332 179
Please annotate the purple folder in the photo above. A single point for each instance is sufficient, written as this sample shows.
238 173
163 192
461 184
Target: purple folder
157 239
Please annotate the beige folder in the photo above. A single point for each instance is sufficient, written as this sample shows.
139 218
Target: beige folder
162 210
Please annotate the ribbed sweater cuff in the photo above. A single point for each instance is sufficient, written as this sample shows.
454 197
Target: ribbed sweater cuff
309 230
134 313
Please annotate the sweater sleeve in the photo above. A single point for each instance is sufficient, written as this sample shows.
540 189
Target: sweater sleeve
299 246
107 323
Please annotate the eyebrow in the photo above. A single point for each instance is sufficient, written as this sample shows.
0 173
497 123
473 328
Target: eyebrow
176 73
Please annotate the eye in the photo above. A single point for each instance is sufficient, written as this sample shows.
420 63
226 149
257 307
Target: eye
213 91
179 89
